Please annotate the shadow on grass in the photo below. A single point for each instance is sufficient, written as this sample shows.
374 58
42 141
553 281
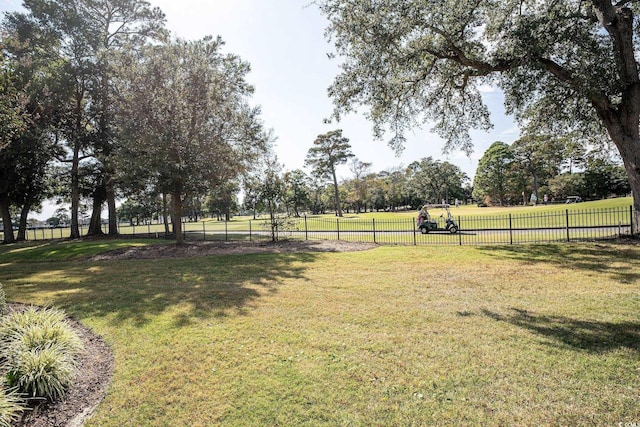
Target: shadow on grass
585 335
136 290
620 262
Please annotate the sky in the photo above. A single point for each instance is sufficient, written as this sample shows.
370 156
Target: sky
284 42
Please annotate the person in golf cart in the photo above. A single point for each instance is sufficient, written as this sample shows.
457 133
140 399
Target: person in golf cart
423 216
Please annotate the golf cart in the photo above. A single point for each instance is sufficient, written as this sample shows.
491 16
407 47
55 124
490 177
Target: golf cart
444 222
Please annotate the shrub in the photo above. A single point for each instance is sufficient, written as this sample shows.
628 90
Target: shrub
43 372
11 406
34 329
39 349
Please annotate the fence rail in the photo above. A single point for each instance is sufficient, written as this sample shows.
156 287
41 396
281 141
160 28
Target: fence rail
566 225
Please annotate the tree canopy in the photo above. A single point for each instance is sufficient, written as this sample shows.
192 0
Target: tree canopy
566 66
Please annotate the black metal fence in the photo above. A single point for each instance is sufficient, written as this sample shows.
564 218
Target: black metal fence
564 225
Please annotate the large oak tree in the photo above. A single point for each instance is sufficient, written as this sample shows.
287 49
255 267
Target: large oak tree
563 65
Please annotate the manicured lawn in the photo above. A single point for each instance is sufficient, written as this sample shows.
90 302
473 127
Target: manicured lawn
524 335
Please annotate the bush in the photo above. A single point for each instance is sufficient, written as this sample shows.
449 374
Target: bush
43 372
11 406
39 349
34 329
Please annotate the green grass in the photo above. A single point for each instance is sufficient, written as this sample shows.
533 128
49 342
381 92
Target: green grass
530 335
63 250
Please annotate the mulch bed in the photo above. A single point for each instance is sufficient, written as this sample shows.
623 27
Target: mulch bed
95 368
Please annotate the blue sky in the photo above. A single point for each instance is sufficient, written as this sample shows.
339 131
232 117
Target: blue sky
284 42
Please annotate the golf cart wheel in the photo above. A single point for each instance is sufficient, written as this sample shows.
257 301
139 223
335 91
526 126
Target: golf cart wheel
424 230
453 230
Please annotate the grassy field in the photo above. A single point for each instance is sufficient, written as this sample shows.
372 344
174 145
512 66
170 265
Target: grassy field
524 335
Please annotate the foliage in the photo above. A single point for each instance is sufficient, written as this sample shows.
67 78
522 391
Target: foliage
40 350
565 67
34 329
296 190
11 406
45 372
186 125
435 181
66 50
539 157
272 191
491 179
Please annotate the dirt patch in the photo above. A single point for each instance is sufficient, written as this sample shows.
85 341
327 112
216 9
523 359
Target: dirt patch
89 386
199 249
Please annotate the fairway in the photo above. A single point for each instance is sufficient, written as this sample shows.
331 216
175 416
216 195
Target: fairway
524 335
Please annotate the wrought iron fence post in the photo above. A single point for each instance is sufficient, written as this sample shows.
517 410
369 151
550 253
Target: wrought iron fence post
374 229
631 218
415 234
204 232
338 227
567 217
226 230
510 230
459 232
250 238
306 229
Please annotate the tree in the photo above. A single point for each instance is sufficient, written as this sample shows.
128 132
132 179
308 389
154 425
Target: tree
492 175
359 169
435 181
602 178
540 157
88 33
27 145
272 190
564 66
186 126
13 114
328 151
297 190
221 200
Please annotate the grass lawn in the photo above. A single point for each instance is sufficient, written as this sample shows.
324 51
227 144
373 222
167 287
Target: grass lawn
524 335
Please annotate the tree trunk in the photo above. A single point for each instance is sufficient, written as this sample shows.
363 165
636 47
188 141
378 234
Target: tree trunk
24 216
336 193
95 225
6 220
630 152
176 217
111 205
165 214
75 192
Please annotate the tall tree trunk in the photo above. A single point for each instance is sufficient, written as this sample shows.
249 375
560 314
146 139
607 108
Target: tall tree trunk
75 192
6 220
336 193
95 225
630 153
111 205
176 217
24 216
165 214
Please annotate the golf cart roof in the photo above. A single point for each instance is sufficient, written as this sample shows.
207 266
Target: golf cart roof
441 206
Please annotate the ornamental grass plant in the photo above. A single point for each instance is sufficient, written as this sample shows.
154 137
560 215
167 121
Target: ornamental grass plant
39 351
11 406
